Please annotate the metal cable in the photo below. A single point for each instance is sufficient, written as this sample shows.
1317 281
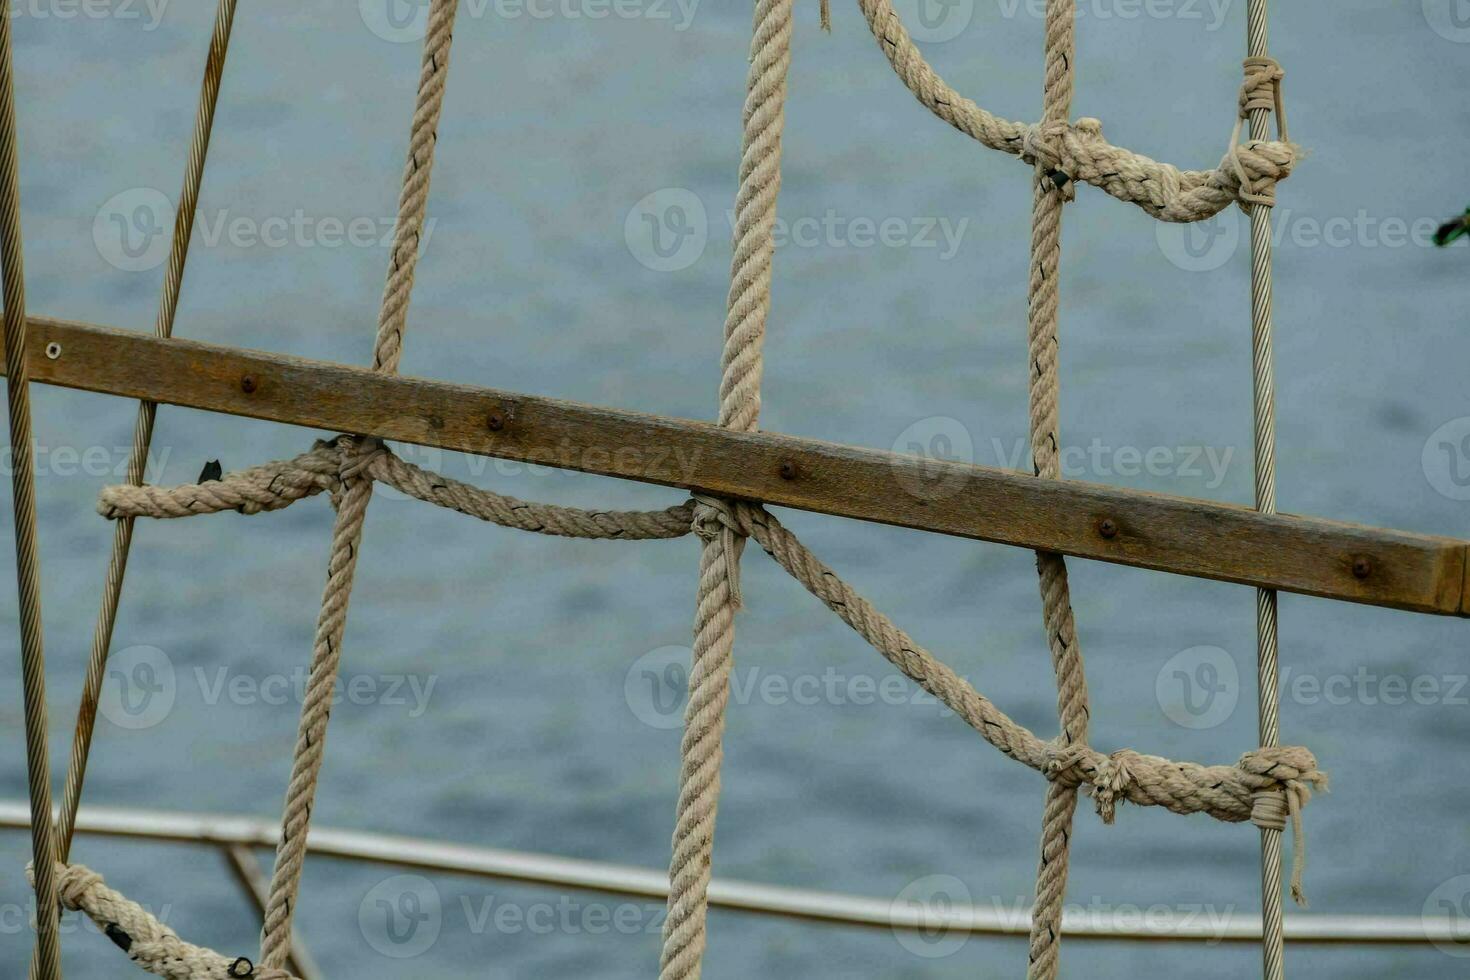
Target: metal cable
28 578
1264 411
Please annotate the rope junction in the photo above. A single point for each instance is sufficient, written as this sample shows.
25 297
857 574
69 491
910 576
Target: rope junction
1268 786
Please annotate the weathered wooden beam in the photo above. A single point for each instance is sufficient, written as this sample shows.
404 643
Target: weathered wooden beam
1171 534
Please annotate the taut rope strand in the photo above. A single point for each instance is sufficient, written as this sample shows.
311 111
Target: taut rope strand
357 489
1051 188
749 302
22 481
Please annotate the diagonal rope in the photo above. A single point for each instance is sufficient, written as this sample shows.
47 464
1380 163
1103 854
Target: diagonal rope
701 749
357 490
122 535
27 563
1052 188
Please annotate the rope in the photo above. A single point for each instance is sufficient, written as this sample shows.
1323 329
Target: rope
1164 191
148 942
357 490
274 486
28 576
1051 190
1269 786
749 303
122 536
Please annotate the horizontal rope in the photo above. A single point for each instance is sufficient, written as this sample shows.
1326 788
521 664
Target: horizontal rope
273 486
148 942
1078 151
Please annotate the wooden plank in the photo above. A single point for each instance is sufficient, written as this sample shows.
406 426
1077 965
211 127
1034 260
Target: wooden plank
1171 534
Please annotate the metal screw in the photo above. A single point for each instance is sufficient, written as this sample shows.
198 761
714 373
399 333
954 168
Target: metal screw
247 384
1107 528
53 350
788 470
495 421
1362 567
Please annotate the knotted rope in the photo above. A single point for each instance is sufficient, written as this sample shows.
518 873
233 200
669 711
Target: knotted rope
1164 191
357 489
1261 90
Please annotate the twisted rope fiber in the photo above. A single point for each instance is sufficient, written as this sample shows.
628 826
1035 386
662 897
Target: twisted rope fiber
1051 190
149 943
701 748
27 565
352 504
143 430
1079 149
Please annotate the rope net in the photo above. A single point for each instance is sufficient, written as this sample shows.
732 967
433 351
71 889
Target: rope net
1268 786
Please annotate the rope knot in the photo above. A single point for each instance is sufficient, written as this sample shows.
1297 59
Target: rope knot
1044 145
1107 777
1260 90
715 520
73 882
1284 777
356 454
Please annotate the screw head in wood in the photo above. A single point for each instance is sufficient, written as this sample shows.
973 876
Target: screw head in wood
247 384
1362 567
788 470
1108 528
495 421
53 350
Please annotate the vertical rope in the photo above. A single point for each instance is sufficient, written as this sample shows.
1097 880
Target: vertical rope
27 564
311 736
749 303
1061 633
143 430
1264 411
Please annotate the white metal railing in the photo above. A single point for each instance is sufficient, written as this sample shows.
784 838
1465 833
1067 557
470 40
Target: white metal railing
235 836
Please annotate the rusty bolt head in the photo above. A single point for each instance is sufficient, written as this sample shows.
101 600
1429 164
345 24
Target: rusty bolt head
1362 567
1108 528
495 421
247 384
788 470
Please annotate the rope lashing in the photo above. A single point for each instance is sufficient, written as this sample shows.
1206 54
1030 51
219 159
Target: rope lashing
1045 146
1260 90
1281 778
714 517
149 943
